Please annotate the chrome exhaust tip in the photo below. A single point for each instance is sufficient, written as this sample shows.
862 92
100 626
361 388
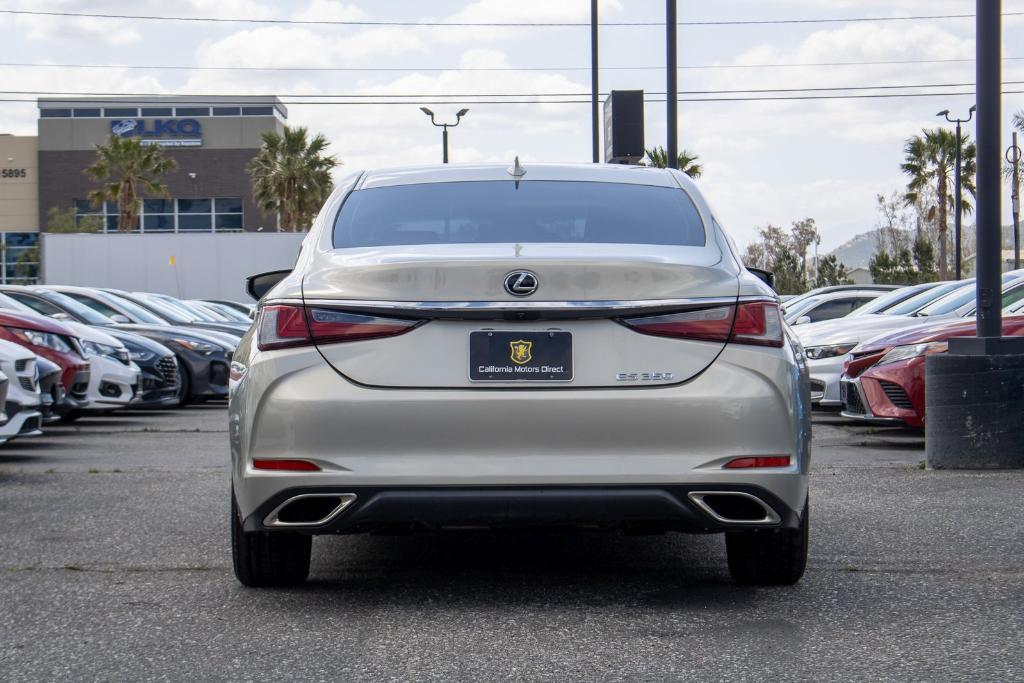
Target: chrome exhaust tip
734 507
309 509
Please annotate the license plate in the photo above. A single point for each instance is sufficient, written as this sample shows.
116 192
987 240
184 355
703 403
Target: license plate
496 356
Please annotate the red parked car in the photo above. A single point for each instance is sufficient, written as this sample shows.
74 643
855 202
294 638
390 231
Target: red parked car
48 338
883 381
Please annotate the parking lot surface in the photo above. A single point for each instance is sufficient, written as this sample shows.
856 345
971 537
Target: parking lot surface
115 565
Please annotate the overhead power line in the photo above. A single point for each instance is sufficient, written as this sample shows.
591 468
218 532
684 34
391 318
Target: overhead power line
185 67
577 100
418 102
487 24
70 93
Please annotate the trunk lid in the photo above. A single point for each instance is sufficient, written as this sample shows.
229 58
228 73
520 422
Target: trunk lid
459 290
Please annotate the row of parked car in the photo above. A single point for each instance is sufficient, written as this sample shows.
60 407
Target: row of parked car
865 346
66 352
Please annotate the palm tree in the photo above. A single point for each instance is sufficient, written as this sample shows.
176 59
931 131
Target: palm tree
127 169
929 159
291 176
687 163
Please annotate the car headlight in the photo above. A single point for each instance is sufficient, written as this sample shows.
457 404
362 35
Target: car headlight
197 345
92 348
830 351
47 340
141 355
898 353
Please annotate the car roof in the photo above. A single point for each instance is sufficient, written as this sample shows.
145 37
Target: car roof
450 173
848 294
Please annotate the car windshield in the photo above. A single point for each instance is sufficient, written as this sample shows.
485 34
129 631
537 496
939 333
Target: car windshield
170 307
226 311
919 301
518 212
952 301
136 311
794 312
15 305
78 310
888 300
165 310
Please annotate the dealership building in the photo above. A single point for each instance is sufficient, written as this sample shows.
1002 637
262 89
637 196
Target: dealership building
212 141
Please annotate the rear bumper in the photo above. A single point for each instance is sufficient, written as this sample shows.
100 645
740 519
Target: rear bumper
290 404
434 508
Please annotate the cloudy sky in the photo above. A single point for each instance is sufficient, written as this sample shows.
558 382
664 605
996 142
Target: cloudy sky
764 161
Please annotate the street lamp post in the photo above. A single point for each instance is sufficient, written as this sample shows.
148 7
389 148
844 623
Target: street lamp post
958 192
444 129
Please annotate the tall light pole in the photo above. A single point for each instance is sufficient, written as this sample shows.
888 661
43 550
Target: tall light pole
672 91
595 119
444 129
1013 158
958 193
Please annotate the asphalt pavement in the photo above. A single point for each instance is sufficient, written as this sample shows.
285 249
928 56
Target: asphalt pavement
115 565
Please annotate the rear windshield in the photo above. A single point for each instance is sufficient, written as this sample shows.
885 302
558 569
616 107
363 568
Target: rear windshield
498 211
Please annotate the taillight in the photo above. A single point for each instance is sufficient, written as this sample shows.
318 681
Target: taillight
285 325
754 322
285 465
758 461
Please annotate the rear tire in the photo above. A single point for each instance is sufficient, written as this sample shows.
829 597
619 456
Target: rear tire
266 559
775 557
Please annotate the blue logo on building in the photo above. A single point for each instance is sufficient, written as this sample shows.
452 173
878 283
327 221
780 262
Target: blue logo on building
167 132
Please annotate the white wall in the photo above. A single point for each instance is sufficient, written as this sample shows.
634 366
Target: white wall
205 266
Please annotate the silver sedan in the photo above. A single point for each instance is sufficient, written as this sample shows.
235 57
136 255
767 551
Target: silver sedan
487 347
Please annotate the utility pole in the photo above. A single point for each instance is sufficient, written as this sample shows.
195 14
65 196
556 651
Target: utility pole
1013 156
595 120
988 76
672 71
972 392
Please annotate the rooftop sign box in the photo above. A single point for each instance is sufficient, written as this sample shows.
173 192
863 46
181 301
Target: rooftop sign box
163 132
624 127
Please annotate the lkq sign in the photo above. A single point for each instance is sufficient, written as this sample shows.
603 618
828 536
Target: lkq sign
163 132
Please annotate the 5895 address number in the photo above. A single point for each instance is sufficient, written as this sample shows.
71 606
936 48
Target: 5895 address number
13 173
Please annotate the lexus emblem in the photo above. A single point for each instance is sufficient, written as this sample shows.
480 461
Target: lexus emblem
521 283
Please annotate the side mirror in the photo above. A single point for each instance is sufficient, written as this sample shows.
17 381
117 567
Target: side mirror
118 318
764 276
258 285
803 320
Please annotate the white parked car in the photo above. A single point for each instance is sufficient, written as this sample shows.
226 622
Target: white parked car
22 401
114 377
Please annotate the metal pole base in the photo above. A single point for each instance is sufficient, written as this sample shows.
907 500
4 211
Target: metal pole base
975 409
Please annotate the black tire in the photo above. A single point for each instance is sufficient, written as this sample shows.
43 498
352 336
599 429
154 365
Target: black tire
775 557
266 559
184 385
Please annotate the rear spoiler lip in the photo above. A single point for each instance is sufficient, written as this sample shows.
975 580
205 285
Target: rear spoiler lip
519 310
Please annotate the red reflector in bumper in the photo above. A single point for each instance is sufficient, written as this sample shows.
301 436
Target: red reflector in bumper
288 465
759 461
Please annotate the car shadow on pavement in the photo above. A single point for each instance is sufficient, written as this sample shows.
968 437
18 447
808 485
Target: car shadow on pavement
481 568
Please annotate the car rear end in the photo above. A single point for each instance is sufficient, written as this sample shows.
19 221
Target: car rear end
464 348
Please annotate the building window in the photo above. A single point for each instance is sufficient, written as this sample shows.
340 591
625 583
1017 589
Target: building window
118 112
192 111
157 111
54 113
21 258
227 111
221 214
86 113
257 111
